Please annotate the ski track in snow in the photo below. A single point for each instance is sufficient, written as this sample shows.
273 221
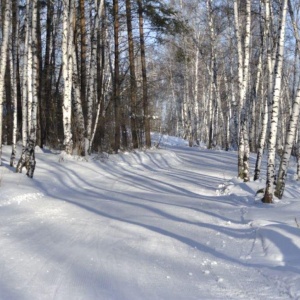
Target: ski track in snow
162 224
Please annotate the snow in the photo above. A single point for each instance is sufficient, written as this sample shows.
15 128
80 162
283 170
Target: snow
168 223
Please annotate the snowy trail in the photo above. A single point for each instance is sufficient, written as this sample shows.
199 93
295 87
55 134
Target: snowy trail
140 226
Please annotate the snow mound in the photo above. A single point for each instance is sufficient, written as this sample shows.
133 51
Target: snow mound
163 140
146 159
63 157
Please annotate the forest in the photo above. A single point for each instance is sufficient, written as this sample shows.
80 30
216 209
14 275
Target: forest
89 76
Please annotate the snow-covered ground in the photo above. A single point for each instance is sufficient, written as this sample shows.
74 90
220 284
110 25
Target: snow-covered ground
171 223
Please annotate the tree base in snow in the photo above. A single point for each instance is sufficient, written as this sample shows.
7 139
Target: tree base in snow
268 198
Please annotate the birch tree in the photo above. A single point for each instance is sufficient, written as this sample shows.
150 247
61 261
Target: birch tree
30 97
33 67
292 127
100 24
13 66
266 41
3 62
116 94
24 156
268 196
67 60
243 49
144 75
133 84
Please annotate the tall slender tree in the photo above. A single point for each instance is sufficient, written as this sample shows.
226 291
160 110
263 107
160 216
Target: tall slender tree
268 196
67 58
133 84
116 92
144 75
3 61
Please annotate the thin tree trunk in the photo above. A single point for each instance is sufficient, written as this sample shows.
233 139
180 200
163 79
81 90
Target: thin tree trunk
268 196
3 62
24 156
133 85
243 83
292 127
79 140
13 67
144 75
68 43
117 103
262 141
46 77
83 56
289 142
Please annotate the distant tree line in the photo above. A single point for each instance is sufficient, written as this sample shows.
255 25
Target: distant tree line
232 82
73 74
95 75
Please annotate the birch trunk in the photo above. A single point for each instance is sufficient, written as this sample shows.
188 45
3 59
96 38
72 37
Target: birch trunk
79 140
298 153
243 85
268 197
91 90
268 98
116 91
292 127
196 99
83 57
289 142
133 84
3 61
67 44
99 4
34 65
13 67
214 74
24 156
144 75
262 141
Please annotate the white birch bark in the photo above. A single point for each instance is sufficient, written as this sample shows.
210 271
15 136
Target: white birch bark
24 156
234 124
268 98
91 89
196 98
213 71
29 70
33 88
254 104
30 96
243 82
262 141
99 4
67 44
79 144
3 61
298 153
292 127
268 197
210 116
13 68
25 88
289 142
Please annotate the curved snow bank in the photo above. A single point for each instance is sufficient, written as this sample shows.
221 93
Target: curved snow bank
150 159
164 140
9 197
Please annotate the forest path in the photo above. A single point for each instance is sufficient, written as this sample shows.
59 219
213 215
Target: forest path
145 226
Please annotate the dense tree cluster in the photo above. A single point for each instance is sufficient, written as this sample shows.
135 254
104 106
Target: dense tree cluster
96 75
74 74
233 82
